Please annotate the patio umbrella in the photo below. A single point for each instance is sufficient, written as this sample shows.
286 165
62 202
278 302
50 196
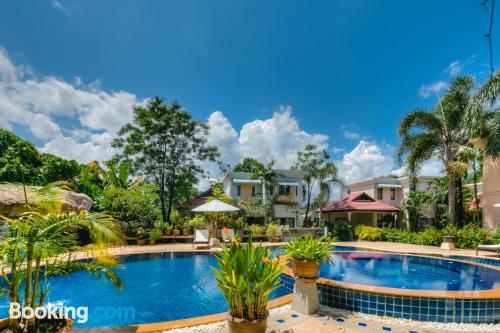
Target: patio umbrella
215 206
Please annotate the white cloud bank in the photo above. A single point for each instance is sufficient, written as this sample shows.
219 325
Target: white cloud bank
36 102
92 116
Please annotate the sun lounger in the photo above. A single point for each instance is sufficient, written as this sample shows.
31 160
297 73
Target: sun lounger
201 236
493 248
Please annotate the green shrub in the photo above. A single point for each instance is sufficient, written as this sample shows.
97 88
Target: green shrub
495 237
309 248
134 208
237 223
155 235
197 222
246 276
471 235
273 232
342 229
398 235
370 233
430 236
256 230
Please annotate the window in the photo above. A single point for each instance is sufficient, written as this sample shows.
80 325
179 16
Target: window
284 189
238 190
393 194
379 194
271 190
253 190
413 188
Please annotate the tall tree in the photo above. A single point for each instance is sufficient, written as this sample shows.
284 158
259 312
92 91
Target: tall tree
267 176
165 144
317 168
482 118
248 165
438 133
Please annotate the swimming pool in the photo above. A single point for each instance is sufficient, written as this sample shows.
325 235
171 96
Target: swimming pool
409 272
157 287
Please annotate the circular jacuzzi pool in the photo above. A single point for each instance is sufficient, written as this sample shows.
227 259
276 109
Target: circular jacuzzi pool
409 286
409 272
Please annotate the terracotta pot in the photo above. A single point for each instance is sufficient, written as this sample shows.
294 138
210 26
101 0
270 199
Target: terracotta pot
305 269
185 232
141 242
238 325
152 242
168 232
177 232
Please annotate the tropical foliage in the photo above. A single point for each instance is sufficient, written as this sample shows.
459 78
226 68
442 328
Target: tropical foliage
317 168
247 275
438 133
41 244
134 208
165 145
309 248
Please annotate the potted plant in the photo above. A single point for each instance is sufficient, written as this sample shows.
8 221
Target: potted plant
168 230
273 232
246 276
141 235
307 254
154 236
186 231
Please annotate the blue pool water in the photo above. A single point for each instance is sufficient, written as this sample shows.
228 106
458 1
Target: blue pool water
170 286
409 272
157 287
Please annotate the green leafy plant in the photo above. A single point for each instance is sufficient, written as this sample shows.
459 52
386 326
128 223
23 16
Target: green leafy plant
246 275
256 230
238 223
370 233
197 222
155 235
141 233
342 229
309 249
273 232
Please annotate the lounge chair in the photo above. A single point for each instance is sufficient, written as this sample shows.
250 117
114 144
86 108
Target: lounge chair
201 236
493 248
227 235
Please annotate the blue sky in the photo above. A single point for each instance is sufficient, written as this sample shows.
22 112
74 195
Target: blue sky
338 73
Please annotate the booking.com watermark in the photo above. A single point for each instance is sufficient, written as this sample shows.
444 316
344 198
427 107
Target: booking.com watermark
80 314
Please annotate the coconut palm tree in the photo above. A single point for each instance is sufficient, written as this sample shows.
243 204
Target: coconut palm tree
425 134
482 117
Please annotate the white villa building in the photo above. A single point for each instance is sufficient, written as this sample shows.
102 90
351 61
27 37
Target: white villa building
286 195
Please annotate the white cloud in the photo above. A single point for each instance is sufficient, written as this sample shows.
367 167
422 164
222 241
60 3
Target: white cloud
366 160
349 133
432 88
277 138
36 103
432 167
58 5
454 68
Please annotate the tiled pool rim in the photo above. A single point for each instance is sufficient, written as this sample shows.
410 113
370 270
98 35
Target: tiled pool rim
481 306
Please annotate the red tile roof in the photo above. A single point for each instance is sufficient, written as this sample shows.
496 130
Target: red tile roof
359 202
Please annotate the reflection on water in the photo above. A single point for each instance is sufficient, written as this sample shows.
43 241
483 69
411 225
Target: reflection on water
408 272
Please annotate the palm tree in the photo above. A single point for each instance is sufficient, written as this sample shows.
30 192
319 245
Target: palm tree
267 176
46 237
438 133
482 118
118 175
415 205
